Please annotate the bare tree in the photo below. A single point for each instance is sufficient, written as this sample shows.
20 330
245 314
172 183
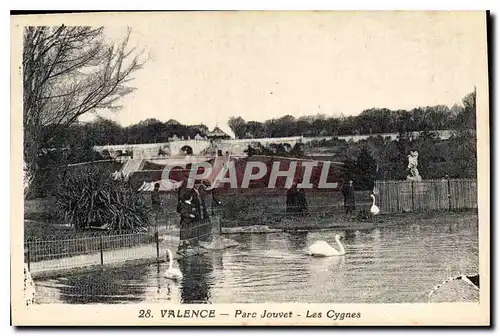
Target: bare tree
68 72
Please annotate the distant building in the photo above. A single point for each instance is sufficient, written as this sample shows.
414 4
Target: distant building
201 128
217 134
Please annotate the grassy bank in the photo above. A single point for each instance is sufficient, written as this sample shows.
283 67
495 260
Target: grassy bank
247 207
240 206
41 209
346 223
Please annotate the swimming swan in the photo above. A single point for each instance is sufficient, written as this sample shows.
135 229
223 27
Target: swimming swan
171 272
321 248
374 209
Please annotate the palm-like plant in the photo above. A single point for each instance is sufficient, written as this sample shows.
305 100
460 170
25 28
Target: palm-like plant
89 198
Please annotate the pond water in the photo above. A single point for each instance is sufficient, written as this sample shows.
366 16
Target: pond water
391 264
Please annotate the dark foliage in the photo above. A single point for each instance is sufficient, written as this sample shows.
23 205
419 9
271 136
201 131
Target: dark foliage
283 150
88 197
371 121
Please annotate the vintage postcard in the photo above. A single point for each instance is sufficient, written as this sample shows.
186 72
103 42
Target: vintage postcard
250 168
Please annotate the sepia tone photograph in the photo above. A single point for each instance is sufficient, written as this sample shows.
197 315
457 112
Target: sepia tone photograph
290 166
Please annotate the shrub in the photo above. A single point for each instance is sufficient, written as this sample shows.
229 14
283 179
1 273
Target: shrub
88 197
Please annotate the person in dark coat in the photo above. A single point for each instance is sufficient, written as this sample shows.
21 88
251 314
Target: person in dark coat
291 200
301 201
155 197
204 228
296 200
349 200
187 211
195 220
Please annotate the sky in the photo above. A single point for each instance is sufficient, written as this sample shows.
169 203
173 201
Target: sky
207 67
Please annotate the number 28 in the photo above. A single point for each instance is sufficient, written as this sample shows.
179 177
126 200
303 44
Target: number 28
145 313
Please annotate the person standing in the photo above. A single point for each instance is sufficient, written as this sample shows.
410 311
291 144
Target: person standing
301 201
195 220
296 202
155 197
349 199
188 213
291 200
200 196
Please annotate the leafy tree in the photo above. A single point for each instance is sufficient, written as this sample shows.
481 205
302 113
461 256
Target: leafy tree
365 173
238 126
349 171
255 129
297 150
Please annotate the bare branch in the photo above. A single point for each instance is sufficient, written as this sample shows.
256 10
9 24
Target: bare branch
68 72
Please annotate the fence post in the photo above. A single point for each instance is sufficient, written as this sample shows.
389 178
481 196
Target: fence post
412 197
436 202
101 243
398 191
157 238
28 256
217 238
449 194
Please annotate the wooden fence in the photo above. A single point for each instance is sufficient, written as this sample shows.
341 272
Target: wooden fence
444 194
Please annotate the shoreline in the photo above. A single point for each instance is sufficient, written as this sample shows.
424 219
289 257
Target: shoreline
333 221
341 222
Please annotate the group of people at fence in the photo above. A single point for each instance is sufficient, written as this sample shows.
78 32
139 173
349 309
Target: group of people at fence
195 222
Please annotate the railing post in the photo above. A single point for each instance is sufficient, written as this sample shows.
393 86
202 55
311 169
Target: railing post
412 196
28 256
101 243
436 202
398 191
218 231
449 194
157 238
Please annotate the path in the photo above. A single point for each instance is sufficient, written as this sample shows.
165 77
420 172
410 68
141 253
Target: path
131 166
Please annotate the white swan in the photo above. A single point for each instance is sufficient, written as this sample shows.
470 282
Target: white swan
374 209
321 248
171 272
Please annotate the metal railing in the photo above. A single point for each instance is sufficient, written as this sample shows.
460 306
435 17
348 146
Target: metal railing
57 253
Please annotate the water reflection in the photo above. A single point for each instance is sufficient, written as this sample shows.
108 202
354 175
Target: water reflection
102 287
392 264
297 240
217 258
195 283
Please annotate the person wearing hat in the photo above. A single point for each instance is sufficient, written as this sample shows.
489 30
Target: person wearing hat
302 201
192 206
200 195
296 202
188 218
155 197
349 199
